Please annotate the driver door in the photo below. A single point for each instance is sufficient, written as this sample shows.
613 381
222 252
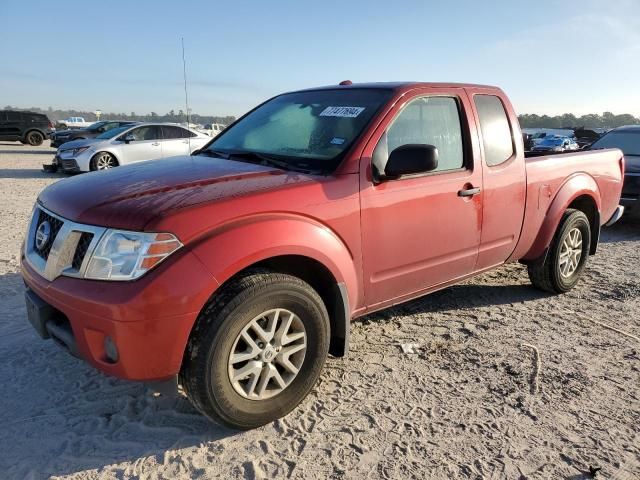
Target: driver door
423 230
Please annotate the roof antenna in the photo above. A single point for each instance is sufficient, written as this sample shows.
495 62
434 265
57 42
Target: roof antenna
186 95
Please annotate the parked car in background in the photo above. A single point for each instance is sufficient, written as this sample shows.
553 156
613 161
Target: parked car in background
528 142
539 134
213 129
128 144
626 139
73 122
556 144
26 127
586 136
239 268
60 137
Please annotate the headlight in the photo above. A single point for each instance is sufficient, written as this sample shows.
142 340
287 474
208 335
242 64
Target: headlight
79 150
122 255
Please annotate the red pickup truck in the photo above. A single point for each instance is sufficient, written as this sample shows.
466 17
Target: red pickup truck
238 269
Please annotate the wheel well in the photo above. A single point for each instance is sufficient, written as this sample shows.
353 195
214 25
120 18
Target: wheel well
333 294
587 205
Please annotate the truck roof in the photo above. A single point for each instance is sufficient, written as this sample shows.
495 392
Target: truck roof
399 86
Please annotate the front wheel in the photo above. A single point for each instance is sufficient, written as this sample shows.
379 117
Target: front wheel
561 269
103 161
257 350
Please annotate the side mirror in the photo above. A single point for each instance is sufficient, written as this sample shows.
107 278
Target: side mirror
128 138
411 159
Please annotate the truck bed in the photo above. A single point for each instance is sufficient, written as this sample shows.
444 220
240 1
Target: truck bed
600 170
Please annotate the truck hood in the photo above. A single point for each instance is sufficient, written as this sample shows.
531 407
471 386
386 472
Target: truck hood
128 197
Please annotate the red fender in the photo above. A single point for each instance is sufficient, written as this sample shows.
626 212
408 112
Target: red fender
576 186
233 247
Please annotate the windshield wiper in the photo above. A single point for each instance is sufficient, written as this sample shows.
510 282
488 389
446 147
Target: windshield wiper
213 153
262 159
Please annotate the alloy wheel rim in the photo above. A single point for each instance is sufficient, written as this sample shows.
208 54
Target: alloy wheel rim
104 162
570 252
268 354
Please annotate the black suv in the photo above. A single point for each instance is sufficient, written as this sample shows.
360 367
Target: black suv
627 139
58 138
26 127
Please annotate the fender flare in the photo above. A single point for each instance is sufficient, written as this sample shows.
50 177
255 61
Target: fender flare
236 246
576 186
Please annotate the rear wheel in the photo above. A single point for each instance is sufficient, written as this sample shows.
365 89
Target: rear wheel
103 161
257 350
567 257
34 138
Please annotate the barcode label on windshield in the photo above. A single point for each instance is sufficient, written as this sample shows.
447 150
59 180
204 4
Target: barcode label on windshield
350 112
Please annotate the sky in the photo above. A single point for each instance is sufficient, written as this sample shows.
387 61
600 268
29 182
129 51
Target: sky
551 57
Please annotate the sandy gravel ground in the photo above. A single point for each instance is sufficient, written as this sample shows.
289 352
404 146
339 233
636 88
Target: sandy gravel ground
456 404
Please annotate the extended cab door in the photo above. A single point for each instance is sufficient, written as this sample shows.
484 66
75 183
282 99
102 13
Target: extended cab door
422 230
504 177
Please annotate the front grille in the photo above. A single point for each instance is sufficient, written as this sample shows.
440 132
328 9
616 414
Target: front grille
81 249
73 243
55 224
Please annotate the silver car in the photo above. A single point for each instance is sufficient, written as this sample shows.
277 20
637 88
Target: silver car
129 144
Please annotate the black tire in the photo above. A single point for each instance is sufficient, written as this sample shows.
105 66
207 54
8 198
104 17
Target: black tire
546 274
205 376
97 161
34 138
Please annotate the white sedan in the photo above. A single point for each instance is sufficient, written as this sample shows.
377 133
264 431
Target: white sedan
129 144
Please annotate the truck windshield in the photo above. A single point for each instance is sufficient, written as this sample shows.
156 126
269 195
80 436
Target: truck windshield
628 142
310 130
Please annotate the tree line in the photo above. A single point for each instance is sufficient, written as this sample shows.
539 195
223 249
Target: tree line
171 116
569 120
528 120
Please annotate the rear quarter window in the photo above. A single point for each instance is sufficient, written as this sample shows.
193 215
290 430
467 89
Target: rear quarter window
497 136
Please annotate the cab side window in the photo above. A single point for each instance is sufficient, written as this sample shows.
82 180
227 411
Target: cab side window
497 137
172 133
432 121
145 133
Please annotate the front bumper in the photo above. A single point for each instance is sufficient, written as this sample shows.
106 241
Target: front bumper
148 320
67 165
71 164
56 142
631 190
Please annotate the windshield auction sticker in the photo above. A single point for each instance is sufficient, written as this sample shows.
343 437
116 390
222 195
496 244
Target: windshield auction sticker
349 112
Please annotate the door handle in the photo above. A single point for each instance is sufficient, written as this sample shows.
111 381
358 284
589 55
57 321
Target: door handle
469 192
155 144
